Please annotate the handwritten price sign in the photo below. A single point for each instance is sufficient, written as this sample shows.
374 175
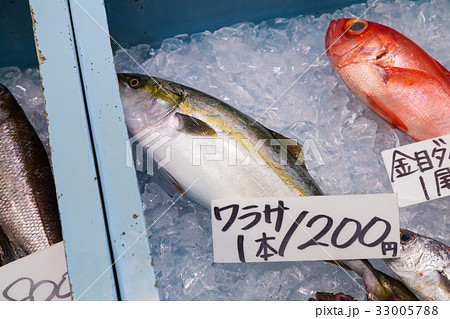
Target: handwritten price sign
305 228
420 171
41 276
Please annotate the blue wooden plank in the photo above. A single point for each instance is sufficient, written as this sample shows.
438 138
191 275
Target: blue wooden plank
123 205
84 231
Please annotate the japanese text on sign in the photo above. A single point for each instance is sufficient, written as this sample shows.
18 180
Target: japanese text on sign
305 228
421 171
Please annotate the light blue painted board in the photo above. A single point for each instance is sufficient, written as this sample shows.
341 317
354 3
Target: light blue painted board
123 205
84 232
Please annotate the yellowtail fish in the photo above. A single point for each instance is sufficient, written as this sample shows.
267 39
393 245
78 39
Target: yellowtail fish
159 110
187 118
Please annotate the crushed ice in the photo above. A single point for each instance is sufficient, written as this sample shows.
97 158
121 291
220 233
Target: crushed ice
250 66
27 89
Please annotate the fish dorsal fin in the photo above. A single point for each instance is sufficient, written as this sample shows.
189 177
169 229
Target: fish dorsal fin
173 183
293 147
193 126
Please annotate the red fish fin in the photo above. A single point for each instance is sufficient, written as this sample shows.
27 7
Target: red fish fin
405 85
409 77
387 114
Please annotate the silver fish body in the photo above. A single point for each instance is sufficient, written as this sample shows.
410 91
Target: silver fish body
423 266
29 215
162 112
245 158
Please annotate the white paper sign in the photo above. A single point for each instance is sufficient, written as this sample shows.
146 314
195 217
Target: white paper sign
420 171
40 276
305 228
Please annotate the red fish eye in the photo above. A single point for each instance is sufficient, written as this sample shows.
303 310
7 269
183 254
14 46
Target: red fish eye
356 26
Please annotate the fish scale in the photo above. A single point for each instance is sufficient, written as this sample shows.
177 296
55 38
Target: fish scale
29 214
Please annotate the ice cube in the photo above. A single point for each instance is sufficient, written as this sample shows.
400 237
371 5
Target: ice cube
278 72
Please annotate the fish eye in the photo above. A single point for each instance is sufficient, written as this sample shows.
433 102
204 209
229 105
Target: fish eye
406 237
342 298
357 27
134 83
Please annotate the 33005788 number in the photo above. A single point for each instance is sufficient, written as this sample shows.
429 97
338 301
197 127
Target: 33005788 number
406 310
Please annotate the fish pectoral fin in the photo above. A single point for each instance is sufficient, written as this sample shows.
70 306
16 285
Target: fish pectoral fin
408 77
173 183
193 126
399 82
293 147
400 79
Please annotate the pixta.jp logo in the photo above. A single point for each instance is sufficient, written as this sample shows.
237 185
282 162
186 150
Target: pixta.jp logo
149 147
144 145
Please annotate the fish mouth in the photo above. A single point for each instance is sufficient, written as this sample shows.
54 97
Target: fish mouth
122 79
329 37
140 105
333 40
